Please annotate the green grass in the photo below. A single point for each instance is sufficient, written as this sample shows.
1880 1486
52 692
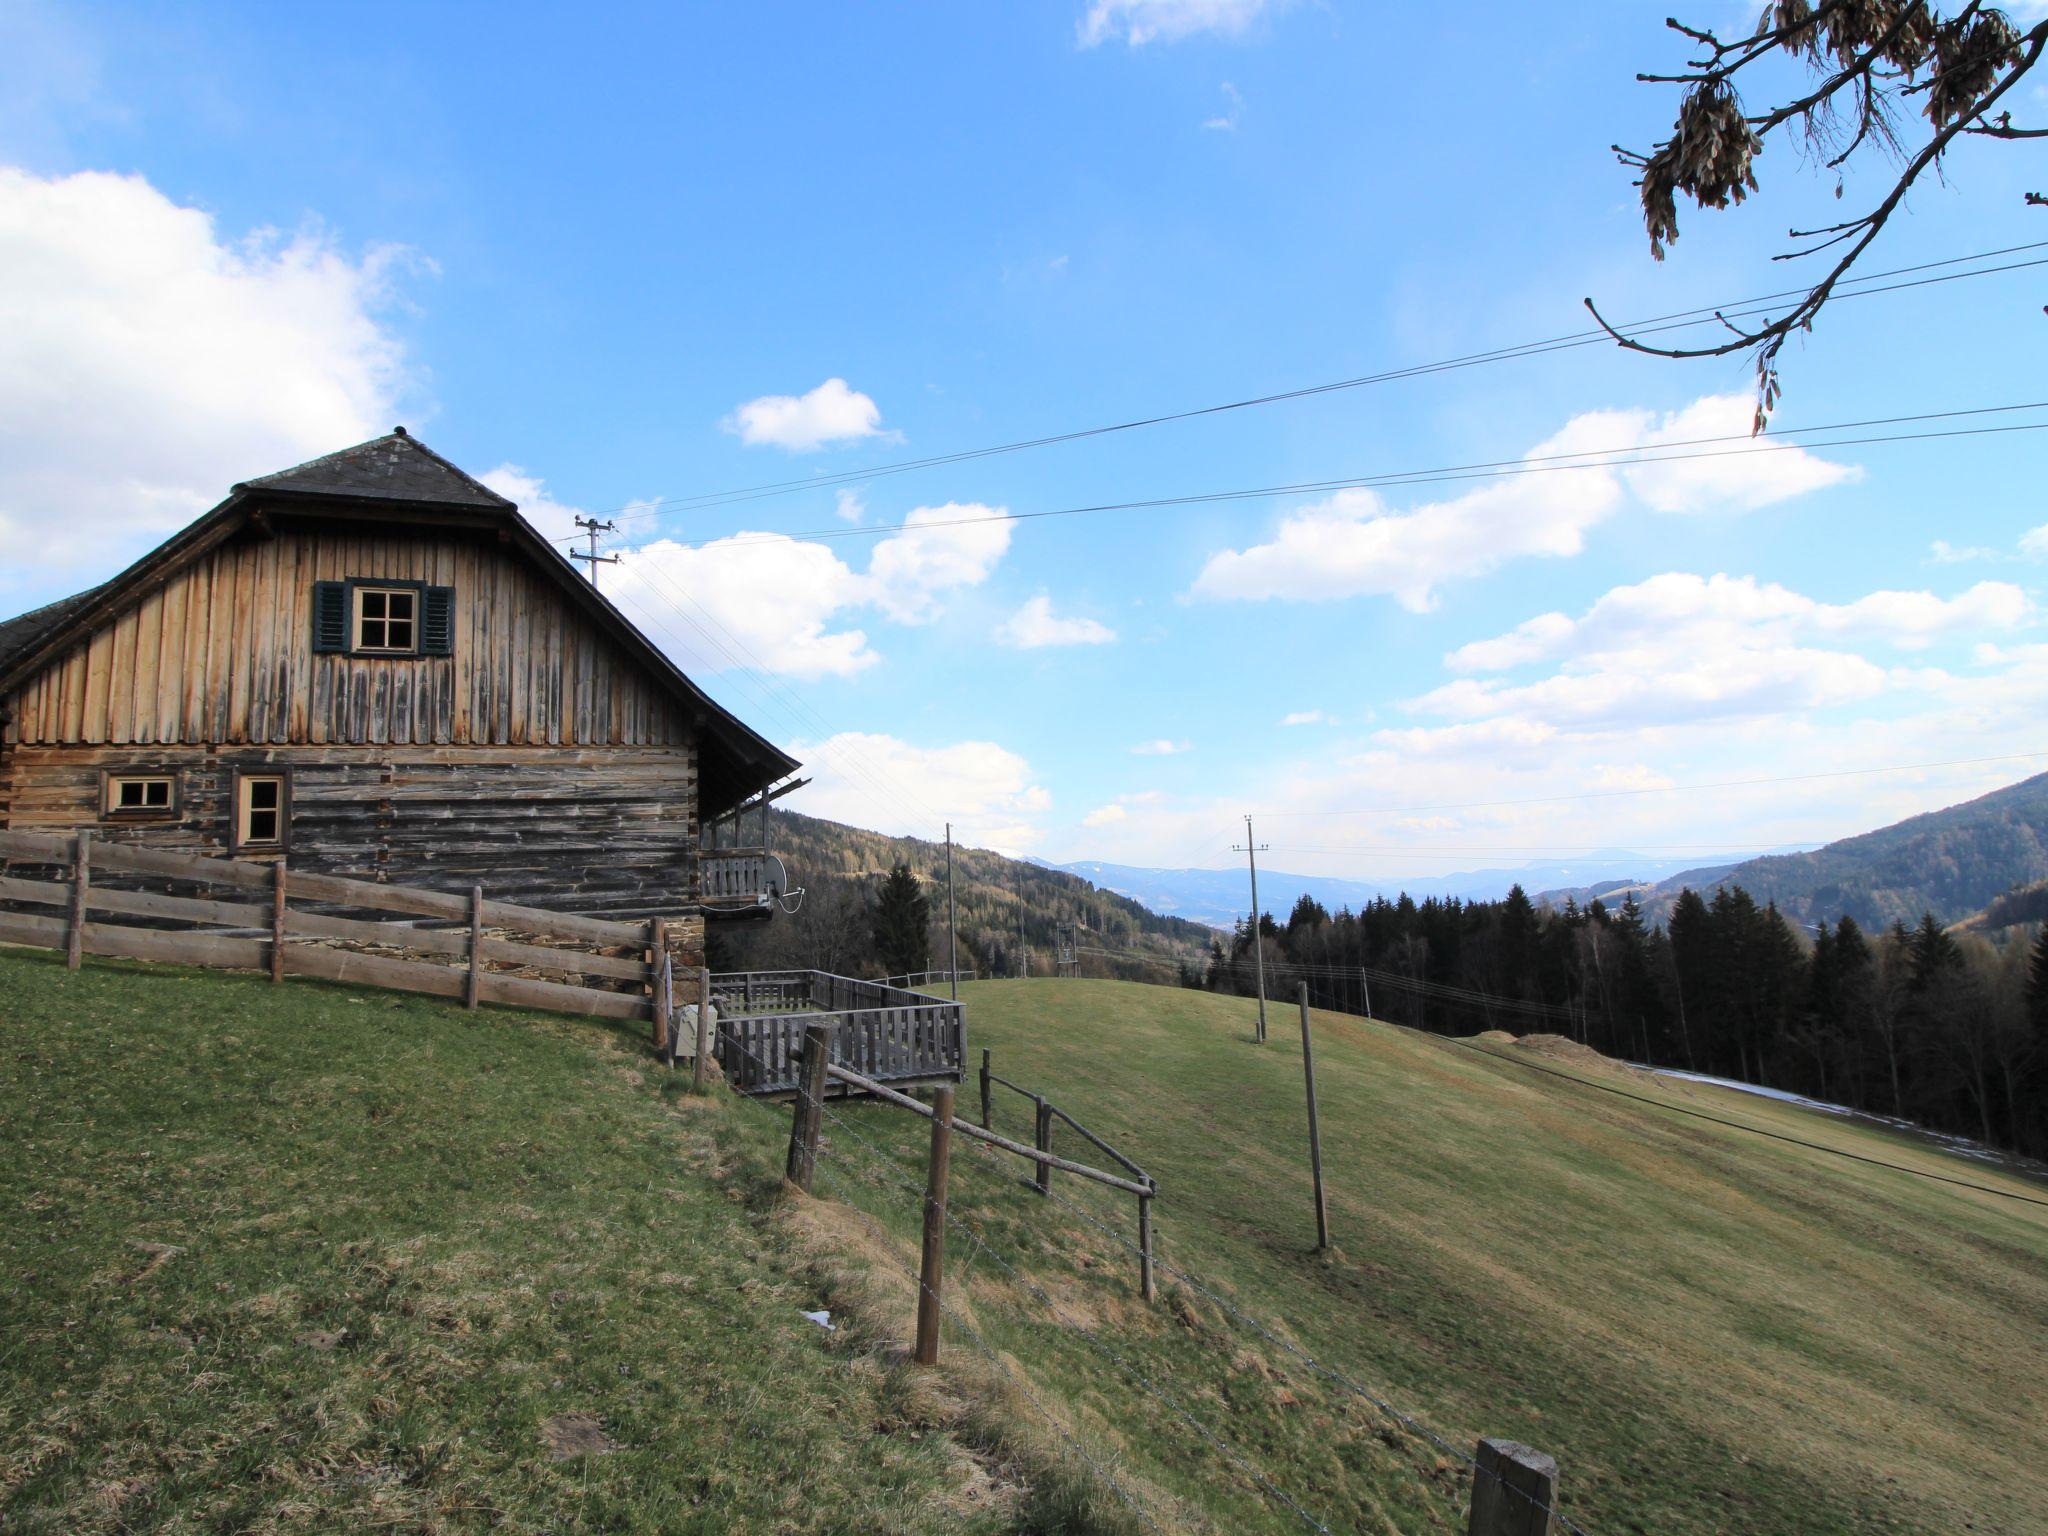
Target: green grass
1709 1330
308 1258
311 1258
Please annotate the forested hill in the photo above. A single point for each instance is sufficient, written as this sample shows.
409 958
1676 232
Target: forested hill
1950 862
841 869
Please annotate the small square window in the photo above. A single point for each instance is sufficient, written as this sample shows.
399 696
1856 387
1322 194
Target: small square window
260 811
140 794
387 621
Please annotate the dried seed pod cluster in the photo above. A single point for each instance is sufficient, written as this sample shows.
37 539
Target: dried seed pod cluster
1968 59
1708 157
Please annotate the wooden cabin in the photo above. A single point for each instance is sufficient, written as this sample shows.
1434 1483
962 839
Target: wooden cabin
372 665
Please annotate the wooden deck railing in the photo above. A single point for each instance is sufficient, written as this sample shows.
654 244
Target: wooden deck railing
740 875
261 928
886 1033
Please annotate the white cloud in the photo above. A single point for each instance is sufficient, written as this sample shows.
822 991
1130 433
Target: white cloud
1104 815
1305 717
831 413
1138 22
767 600
2034 543
1354 544
939 549
1941 552
1679 648
147 362
1231 116
1163 747
1035 626
891 785
847 503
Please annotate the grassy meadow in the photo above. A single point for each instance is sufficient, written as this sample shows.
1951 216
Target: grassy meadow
309 1258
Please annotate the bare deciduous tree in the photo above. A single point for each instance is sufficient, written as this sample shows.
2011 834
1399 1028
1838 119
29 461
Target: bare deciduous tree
1894 77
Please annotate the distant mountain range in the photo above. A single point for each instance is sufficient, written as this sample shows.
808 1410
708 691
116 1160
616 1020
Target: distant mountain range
1220 897
1952 862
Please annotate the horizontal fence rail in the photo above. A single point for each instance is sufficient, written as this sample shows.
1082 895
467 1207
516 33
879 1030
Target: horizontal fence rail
886 1033
264 923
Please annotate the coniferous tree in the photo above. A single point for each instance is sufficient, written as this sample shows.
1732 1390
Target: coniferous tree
902 924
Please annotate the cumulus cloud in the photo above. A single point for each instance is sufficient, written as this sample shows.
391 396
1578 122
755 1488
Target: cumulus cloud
1354 544
891 785
939 549
1104 815
1035 626
1680 647
834 412
1304 717
148 361
768 600
1163 747
2034 543
1138 22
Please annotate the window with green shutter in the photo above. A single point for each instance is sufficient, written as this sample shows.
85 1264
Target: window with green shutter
367 617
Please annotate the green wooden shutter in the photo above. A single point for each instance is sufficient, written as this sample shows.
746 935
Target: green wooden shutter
330 616
437 622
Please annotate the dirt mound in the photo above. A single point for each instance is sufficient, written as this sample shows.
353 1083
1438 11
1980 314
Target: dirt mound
1495 1037
1569 1053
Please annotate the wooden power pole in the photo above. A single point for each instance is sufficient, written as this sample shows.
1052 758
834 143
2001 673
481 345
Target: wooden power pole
1251 851
932 1266
1315 1133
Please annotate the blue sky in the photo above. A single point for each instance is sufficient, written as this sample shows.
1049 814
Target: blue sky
622 258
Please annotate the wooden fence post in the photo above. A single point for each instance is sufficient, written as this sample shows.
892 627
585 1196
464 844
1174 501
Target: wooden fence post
1315 1134
1514 1489
277 886
984 1092
931 1271
665 1007
697 1067
81 886
810 1106
476 947
657 951
1147 1287
1044 1144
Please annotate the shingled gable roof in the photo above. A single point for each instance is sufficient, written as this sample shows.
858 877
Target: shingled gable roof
391 477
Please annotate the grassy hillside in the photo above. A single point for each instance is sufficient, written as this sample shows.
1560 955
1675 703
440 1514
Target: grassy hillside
1004 905
1711 1331
313 1259
1949 862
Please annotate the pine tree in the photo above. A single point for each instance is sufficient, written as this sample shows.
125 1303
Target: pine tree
902 924
2037 991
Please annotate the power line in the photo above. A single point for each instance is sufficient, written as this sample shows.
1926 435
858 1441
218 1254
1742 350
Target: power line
1620 457
1869 284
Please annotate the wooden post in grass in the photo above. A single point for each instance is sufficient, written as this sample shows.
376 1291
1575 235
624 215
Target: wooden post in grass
665 1012
1147 1287
931 1271
810 1105
984 1091
81 886
1514 1489
277 885
1315 1134
657 952
703 1029
1044 1144
475 980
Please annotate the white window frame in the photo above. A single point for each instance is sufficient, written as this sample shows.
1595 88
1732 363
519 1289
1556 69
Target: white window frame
357 619
245 808
110 795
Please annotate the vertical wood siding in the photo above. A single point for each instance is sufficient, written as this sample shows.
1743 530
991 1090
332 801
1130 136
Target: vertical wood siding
222 654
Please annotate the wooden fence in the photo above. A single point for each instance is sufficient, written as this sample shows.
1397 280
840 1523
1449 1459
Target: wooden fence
883 1032
261 928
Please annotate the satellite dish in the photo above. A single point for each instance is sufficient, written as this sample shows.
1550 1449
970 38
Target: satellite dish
774 878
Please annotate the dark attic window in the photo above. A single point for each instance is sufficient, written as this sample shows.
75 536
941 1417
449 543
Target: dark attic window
367 617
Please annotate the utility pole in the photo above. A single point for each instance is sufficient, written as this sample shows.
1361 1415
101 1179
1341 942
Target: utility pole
593 560
952 920
1251 851
1315 1133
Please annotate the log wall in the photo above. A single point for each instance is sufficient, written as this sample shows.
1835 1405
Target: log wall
222 653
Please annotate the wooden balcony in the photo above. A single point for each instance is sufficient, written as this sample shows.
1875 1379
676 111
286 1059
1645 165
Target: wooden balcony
740 882
890 1034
